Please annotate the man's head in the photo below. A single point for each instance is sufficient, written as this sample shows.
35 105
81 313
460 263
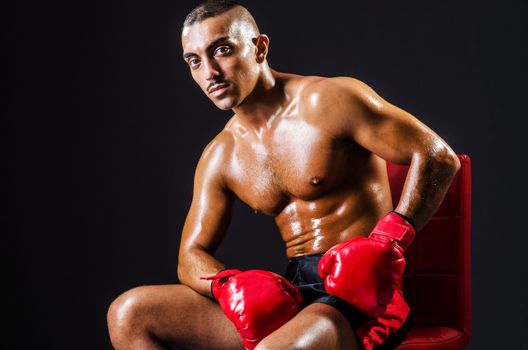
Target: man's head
225 51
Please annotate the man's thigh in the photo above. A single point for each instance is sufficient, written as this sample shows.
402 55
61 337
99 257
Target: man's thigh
176 315
317 326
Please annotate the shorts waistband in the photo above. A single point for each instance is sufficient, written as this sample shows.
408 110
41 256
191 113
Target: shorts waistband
313 257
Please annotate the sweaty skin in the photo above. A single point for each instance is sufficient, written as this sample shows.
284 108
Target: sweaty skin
308 151
302 168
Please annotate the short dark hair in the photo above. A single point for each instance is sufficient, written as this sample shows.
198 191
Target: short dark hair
208 9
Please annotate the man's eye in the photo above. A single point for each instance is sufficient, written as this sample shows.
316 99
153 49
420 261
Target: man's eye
222 50
193 62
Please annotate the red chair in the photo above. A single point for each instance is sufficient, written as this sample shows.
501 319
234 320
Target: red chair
437 277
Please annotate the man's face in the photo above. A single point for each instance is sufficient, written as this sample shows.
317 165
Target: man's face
222 59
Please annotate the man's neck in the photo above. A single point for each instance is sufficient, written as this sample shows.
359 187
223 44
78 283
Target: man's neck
260 108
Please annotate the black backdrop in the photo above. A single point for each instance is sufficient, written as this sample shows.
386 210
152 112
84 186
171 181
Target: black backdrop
103 126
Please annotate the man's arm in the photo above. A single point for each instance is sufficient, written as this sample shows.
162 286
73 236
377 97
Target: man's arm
208 218
394 135
352 110
257 302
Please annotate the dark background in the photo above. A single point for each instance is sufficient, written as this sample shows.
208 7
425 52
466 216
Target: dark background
103 126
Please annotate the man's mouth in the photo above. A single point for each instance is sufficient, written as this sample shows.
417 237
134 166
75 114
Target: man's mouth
218 89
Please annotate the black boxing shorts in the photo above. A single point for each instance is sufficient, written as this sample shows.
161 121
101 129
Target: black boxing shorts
302 272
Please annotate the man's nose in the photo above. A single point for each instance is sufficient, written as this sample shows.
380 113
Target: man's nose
211 69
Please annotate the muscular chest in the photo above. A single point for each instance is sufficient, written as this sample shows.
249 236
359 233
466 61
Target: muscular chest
298 161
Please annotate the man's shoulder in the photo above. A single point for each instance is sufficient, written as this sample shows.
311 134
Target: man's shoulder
219 148
331 99
315 89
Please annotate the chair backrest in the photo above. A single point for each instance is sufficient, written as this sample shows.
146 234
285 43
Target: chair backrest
437 277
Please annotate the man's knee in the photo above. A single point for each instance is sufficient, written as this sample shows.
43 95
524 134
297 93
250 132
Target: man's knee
139 308
266 345
323 328
125 312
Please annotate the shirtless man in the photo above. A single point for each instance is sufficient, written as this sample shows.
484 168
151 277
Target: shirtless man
306 150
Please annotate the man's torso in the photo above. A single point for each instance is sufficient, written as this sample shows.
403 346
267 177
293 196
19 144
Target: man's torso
320 187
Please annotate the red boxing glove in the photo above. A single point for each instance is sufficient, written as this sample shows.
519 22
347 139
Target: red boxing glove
258 302
373 332
367 272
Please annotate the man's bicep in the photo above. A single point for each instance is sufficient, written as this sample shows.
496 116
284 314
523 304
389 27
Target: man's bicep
387 130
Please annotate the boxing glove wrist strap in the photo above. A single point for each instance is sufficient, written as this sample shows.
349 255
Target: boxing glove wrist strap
408 219
218 280
394 228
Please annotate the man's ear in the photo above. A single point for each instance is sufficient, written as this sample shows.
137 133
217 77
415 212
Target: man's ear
261 47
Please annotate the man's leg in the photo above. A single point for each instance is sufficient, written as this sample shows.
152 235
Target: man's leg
152 317
318 326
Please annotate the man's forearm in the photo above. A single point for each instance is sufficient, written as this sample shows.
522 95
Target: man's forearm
196 263
428 180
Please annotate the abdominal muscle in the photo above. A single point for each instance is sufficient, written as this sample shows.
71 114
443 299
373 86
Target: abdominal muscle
313 227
